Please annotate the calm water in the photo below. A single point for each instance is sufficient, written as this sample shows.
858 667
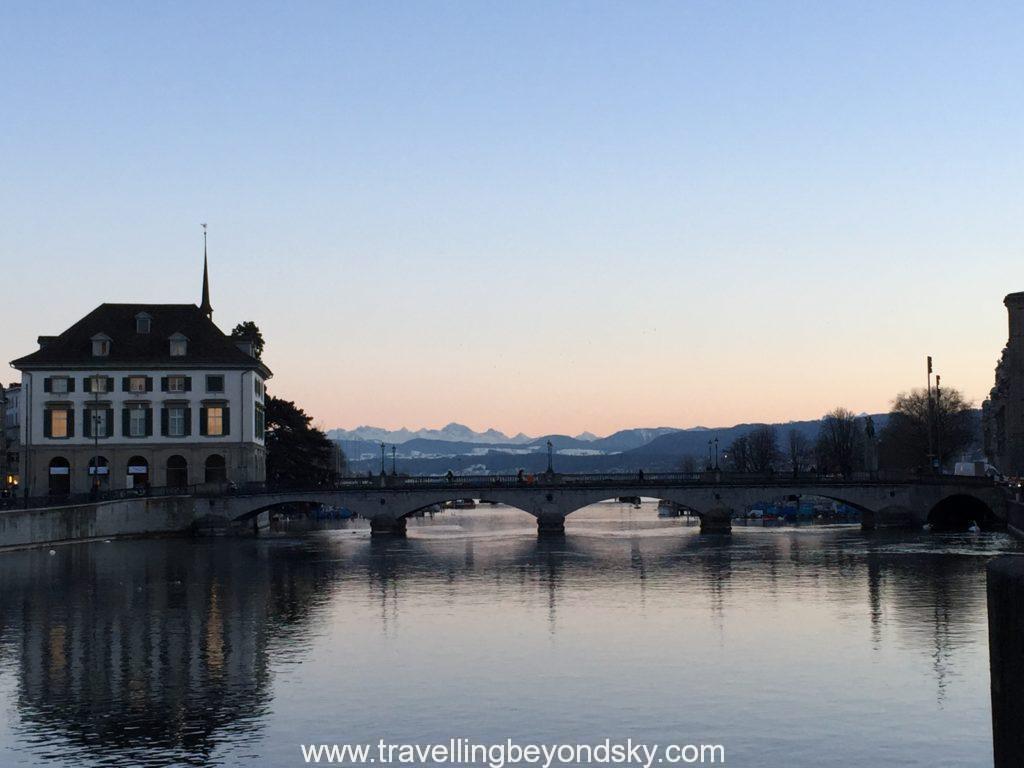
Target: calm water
792 647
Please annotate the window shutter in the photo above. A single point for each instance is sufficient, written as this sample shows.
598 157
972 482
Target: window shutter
149 422
47 421
163 383
125 386
202 422
87 384
71 383
87 417
126 428
164 420
71 421
188 383
110 423
47 384
227 420
149 383
188 422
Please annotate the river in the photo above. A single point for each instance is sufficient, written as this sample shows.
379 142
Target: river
791 647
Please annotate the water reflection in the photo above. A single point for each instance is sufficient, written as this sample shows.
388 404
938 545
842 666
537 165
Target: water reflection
172 652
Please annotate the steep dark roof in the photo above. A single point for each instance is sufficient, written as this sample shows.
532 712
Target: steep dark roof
207 344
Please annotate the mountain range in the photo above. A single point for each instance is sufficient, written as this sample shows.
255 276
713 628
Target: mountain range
460 449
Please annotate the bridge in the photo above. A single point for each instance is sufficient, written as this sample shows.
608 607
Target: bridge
388 501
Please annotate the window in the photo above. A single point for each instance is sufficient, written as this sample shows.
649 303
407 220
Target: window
175 383
60 422
136 383
176 421
137 422
260 426
97 422
215 383
179 345
59 385
100 345
98 384
258 388
215 420
142 323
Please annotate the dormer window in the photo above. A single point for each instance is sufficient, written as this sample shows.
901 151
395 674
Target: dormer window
142 322
179 345
100 345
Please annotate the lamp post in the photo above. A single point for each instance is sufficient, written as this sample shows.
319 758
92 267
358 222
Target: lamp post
938 423
930 418
382 458
716 453
393 470
709 465
551 468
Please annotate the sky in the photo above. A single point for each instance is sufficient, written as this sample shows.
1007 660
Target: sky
534 216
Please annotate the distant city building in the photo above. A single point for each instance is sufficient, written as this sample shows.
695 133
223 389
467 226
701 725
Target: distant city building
10 442
1003 412
134 395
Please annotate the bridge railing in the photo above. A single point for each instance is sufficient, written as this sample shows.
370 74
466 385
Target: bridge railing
475 485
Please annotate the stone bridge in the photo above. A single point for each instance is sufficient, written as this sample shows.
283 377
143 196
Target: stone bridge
714 497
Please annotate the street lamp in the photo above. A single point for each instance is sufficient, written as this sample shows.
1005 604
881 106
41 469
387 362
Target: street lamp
382 457
393 470
716 453
550 458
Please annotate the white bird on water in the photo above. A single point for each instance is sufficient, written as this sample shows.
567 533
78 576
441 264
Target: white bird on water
974 527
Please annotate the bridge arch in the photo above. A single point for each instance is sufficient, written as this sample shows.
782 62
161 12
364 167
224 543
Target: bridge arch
958 511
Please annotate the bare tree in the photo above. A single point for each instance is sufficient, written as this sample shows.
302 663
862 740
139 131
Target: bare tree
903 442
839 441
689 465
764 448
798 445
738 455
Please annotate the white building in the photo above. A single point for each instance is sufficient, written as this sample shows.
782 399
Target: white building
141 394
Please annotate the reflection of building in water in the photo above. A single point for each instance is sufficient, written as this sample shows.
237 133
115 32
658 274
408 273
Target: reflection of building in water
149 648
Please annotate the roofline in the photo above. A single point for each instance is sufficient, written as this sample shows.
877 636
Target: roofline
31 367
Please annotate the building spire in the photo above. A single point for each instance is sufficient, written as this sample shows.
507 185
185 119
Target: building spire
206 308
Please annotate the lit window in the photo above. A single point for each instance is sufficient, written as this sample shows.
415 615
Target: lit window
98 384
175 383
136 384
59 422
215 421
176 422
137 422
214 383
59 385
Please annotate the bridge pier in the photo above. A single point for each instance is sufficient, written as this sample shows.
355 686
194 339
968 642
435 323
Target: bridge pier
387 526
550 524
716 521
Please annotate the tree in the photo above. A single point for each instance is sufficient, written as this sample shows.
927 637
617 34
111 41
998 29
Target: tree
250 331
688 465
738 454
764 448
903 442
838 448
797 445
298 454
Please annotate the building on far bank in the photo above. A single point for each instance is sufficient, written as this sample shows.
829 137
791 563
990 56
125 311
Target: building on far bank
136 395
1003 412
10 442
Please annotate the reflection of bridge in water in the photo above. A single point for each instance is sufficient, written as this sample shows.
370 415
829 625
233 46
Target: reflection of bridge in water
714 497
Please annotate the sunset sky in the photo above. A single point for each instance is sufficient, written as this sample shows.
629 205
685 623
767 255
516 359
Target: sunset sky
536 216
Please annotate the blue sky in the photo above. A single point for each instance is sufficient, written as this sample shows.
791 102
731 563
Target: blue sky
537 216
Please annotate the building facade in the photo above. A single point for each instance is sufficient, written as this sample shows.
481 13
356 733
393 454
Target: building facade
136 395
10 440
1003 412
